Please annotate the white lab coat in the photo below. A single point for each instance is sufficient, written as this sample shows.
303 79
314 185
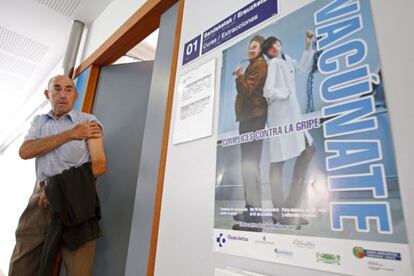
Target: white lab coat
283 105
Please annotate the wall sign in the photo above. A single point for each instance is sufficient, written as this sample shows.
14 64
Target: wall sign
194 117
230 27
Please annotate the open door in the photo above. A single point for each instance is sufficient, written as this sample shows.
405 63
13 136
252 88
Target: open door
121 105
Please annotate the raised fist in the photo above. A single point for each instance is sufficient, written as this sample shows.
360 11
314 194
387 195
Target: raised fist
309 36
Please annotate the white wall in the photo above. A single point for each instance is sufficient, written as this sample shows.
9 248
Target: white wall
18 176
394 23
185 244
115 14
18 179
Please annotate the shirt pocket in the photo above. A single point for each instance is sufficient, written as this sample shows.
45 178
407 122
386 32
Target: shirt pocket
75 152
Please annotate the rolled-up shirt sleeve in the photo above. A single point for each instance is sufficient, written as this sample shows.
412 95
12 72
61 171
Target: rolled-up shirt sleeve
92 119
35 129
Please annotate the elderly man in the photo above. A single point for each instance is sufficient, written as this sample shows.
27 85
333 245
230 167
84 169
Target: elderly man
60 140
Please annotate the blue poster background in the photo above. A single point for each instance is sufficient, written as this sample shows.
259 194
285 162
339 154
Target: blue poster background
229 187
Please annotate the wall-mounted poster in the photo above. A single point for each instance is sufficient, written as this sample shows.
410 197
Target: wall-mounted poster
306 171
195 103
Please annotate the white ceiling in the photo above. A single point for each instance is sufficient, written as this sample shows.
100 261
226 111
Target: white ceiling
33 37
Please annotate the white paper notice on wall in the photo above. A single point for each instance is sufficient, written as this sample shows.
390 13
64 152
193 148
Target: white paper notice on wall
194 115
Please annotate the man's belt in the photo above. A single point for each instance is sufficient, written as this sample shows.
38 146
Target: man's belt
43 183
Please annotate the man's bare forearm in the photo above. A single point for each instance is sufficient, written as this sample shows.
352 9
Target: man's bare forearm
97 155
38 147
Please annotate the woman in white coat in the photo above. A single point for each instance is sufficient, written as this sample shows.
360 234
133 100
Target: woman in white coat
284 109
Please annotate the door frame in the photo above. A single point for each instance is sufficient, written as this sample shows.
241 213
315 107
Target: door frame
141 24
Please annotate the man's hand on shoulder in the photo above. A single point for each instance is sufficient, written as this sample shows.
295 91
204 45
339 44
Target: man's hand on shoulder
86 131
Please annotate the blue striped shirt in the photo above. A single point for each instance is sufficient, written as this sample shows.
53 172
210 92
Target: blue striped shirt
71 154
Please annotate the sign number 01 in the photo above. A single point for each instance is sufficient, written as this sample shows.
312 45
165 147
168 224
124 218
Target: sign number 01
192 49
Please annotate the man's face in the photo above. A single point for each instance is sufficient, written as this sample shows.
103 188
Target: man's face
62 95
274 50
254 50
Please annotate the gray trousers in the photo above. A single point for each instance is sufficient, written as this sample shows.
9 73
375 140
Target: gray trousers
251 154
30 234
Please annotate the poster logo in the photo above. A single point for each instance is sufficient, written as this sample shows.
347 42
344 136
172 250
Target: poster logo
303 244
328 258
360 253
283 253
237 238
221 240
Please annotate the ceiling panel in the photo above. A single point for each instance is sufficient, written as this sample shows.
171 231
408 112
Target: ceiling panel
16 66
22 46
65 7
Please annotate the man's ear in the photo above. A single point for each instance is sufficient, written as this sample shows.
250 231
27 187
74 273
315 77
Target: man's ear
76 95
46 94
